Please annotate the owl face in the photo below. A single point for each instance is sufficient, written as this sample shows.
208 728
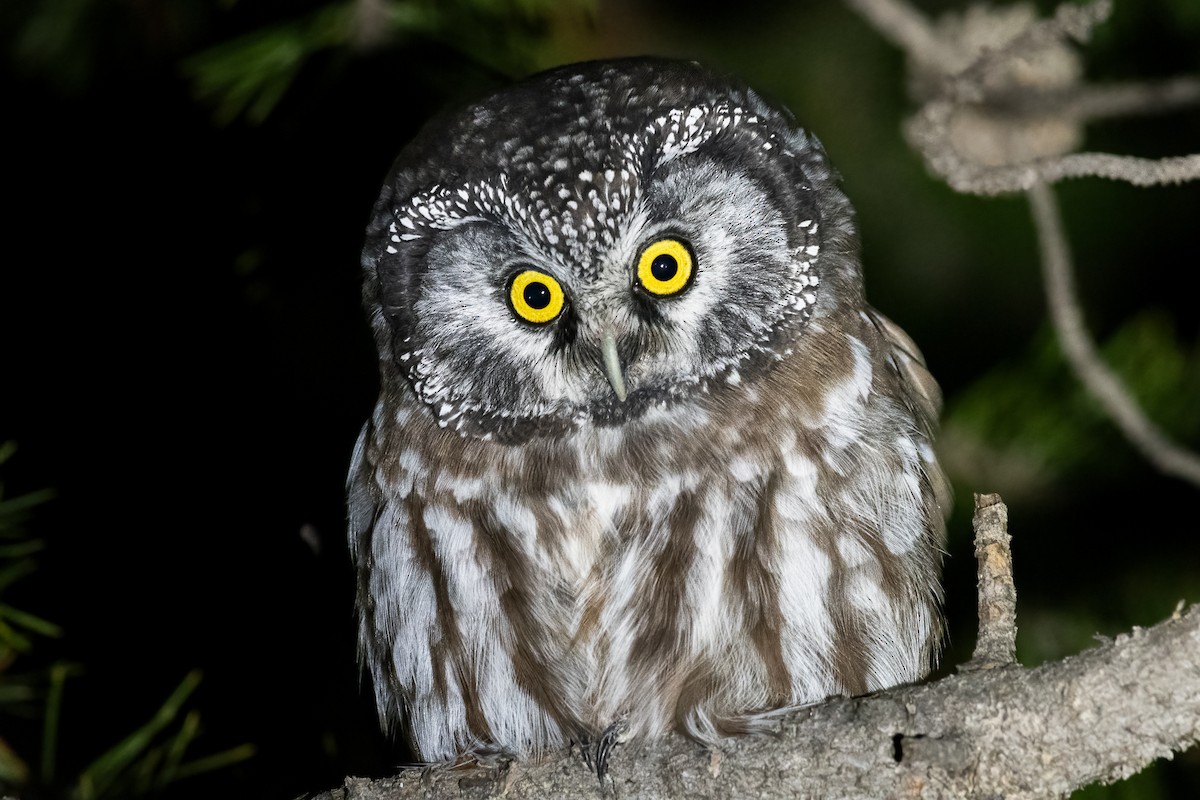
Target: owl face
594 245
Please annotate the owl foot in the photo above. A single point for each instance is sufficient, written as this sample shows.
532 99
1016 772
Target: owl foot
585 750
596 756
485 757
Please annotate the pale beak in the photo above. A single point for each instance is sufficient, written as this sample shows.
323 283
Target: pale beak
612 366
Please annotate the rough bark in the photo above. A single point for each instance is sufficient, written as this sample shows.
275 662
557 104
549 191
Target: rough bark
996 645
994 730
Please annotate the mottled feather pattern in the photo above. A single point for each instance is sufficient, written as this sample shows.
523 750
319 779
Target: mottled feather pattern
756 526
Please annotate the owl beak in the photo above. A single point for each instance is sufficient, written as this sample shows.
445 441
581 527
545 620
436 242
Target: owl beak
612 366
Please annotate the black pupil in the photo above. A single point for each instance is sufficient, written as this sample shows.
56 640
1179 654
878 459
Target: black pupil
537 295
664 267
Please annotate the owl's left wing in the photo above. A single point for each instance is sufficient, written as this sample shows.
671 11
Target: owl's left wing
923 393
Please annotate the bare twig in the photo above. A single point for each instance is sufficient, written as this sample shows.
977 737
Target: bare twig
997 642
908 29
992 129
929 133
1105 386
986 85
371 27
1069 20
1086 103
1128 99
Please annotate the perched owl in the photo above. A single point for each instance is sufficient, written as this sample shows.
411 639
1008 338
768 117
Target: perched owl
643 460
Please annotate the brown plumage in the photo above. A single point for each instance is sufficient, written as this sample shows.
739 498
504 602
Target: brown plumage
678 477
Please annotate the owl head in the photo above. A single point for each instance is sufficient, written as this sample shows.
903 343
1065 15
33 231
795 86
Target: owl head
600 243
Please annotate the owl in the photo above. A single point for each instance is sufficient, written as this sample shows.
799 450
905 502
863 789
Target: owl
643 458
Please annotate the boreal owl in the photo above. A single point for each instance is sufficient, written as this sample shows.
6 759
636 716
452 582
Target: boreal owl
643 459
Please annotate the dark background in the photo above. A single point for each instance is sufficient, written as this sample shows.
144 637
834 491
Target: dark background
185 360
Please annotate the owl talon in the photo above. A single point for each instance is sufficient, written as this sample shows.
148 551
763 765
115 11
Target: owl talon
585 750
604 747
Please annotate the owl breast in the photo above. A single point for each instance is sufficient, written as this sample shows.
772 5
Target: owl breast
752 548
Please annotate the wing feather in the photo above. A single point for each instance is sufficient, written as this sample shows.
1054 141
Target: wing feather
923 392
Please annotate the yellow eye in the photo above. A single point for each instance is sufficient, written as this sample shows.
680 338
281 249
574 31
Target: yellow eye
665 267
535 296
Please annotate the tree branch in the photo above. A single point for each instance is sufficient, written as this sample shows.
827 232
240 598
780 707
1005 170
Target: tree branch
1015 733
1010 732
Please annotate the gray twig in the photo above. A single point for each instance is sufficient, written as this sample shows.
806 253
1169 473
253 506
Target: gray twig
1067 318
997 642
988 131
907 28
